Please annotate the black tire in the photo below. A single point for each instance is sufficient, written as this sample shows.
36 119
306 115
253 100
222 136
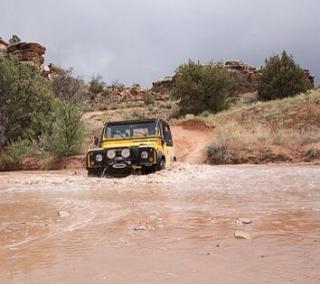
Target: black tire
94 173
161 165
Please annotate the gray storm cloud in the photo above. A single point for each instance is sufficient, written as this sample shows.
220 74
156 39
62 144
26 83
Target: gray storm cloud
143 40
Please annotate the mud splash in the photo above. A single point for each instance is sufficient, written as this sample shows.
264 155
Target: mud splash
175 226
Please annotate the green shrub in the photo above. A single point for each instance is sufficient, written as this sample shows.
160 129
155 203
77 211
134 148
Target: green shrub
9 159
25 101
202 87
18 148
37 117
67 131
14 39
281 77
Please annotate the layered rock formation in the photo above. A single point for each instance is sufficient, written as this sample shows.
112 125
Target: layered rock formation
28 52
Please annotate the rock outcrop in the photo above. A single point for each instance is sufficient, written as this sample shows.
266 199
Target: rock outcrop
163 85
236 68
245 71
309 76
50 70
28 52
3 47
136 93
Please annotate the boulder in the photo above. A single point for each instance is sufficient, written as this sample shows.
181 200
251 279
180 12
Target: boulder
28 52
245 221
242 235
63 214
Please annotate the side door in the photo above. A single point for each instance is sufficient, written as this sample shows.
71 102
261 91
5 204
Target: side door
168 143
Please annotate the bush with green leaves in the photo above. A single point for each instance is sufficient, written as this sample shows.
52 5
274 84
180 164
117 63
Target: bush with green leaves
11 157
25 101
67 130
281 77
14 39
202 87
37 116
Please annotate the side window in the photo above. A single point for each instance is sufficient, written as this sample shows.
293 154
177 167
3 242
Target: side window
167 135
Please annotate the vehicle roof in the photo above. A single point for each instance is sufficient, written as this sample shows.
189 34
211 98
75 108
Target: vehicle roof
132 121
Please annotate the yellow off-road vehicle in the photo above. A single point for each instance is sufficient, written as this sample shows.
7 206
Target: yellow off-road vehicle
142 146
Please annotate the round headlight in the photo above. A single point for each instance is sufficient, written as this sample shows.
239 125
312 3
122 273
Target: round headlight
111 154
99 158
125 153
144 154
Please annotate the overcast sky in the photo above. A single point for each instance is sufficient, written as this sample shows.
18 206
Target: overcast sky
143 40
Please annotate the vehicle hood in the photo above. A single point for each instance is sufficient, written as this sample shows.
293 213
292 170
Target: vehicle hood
131 142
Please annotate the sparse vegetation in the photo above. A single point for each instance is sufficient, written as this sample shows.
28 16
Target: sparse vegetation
312 154
280 130
148 99
66 87
117 85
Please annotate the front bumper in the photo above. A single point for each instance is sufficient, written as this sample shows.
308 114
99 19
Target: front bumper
119 162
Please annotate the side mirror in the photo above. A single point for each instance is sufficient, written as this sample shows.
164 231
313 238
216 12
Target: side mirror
96 141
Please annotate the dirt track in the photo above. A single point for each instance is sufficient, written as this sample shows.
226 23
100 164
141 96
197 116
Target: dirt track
190 143
175 226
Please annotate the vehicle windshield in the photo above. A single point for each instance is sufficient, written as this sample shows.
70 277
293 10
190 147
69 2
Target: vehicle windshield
127 130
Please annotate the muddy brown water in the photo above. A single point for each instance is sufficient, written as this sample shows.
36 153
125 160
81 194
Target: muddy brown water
176 226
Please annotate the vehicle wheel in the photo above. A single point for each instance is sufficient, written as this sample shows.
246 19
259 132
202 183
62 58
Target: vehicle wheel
161 165
94 173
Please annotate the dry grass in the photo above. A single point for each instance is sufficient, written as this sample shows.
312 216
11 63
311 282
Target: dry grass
280 130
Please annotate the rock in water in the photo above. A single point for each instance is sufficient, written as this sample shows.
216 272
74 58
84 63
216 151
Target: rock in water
242 235
63 214
246 221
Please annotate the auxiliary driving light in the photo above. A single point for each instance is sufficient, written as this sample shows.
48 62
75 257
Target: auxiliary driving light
144 154
125 153
111 154
99 158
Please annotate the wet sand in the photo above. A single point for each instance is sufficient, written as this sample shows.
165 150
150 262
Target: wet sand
176 226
